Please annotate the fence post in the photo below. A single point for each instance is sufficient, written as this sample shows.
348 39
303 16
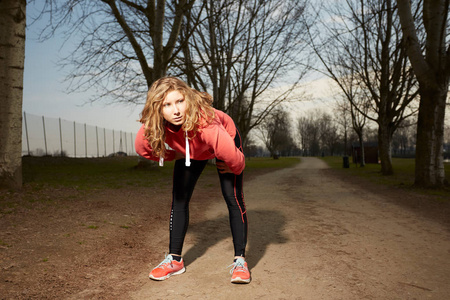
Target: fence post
85 141
26 132
74 140
45 135
60 136
104 138
114 146
96 136
132 144
120 142
126 144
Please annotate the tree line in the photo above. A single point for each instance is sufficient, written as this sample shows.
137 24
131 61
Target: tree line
319 133
389 59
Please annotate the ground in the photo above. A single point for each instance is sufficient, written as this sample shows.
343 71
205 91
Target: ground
312 235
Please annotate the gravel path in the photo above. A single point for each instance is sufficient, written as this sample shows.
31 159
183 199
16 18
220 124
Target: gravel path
313 236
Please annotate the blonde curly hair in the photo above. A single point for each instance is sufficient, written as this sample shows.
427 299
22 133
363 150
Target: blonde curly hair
199 111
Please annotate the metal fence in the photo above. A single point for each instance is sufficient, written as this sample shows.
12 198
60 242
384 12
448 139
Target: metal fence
56 137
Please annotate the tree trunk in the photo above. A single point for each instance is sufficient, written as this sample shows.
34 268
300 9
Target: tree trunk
384 149
432 70
362 158
12 57
429 170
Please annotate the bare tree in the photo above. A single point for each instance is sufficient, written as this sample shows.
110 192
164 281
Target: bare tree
12 58
275 132
431 63
243 50
309 131
125 44
343 119
367 40
329 134
359 106
358 111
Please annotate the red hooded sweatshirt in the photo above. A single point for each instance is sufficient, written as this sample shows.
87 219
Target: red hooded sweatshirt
216 140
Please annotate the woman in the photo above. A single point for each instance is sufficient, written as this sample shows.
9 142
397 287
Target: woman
184 119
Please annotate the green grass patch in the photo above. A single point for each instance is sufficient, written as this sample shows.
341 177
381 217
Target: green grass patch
90 173
403 176
53 180
269 163
117 172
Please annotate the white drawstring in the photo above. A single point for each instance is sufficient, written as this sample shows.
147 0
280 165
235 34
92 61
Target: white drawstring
188 156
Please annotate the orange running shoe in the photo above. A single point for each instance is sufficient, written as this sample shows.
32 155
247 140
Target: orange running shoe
240 272
167 268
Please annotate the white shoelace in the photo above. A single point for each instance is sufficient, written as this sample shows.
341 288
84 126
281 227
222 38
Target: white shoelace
167 260
238 265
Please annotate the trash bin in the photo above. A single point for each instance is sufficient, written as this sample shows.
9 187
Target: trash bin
345 161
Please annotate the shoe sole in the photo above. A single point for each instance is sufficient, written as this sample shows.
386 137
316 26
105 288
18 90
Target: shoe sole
168 275
240 280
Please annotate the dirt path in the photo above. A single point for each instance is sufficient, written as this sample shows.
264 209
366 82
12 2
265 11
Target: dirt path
312 236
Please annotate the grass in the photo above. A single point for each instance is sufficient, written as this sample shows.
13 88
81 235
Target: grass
122 172
403 174
117 172
269 164
90 173
47 179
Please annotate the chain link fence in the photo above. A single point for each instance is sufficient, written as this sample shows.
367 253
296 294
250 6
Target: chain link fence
44 136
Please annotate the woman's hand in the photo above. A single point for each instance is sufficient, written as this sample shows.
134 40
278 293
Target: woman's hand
222 167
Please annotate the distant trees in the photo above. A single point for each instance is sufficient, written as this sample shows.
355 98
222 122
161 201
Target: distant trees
330 138
404 139
12 58
308 130
276 133
319 134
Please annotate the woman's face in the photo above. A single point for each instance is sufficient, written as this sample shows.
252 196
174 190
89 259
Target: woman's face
174 108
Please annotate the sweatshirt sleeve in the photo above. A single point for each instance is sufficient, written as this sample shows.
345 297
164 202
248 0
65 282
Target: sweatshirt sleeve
143 148
217 137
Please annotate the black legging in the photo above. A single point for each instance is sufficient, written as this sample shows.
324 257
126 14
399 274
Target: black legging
184 180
